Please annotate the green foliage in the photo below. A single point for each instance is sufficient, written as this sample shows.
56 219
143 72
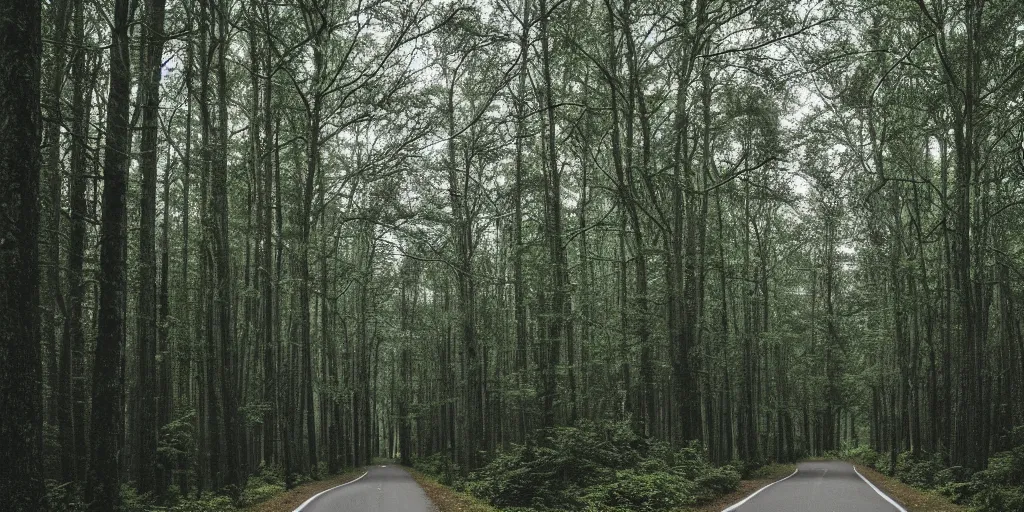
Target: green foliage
999 488
177 442
599 466
208 502
261 486
643 491
918 472
132 501
439 466
554 469
1001 485
64 496
716 481
861 455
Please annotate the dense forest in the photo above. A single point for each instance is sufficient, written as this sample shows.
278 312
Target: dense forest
305 234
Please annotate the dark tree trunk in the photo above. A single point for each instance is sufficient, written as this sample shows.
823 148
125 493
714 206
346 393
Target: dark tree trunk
560 324
148 392
103 491
71 412
21 399
223 323
50 205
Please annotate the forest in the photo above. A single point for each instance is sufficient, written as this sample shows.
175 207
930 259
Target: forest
292 237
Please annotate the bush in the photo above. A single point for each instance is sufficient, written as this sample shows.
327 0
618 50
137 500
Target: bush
438 466
715 482
642 491
917 472
206 503
998 488
601 467
266 483
63 496
132 501
862 455
557 467
1001 486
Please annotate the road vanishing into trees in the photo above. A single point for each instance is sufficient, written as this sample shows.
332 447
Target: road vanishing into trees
819 487
381 489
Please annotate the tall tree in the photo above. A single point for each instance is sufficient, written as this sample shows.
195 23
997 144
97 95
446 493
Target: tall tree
21 392
150 69
103 490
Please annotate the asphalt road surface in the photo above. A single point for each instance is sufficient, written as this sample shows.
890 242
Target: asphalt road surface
382 489
818 487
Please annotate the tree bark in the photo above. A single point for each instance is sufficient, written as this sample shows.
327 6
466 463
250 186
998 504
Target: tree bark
103 491
21 399
148 392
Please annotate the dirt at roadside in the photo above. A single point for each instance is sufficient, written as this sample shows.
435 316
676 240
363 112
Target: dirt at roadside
291 499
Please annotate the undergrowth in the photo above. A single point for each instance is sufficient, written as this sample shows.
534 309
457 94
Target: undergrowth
997 488
266 483
594 467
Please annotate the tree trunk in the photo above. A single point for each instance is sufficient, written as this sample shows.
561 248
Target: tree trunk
148 393
560 325
51 298
21 399
103 491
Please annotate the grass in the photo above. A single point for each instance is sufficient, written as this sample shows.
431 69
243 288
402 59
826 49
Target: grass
757 480
288 500
912 498
445 498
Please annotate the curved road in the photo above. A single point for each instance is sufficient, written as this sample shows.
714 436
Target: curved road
819 487
382 489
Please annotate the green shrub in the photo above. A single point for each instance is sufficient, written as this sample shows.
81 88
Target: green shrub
535 476
690 464
716 481
917 472
132 501
264 484
176 446
558 466
64 496
642 491
862 455
206 503
998 488
1000 498
438 466
599 467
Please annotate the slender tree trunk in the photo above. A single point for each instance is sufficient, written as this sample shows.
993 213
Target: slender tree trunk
103 492
560 326
147 393
72 357
522 357
51 298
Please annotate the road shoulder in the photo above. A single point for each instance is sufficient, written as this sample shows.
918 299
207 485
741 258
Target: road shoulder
446 499
289 500
911 498
761 478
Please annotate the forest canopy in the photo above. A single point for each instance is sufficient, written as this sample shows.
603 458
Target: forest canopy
242 238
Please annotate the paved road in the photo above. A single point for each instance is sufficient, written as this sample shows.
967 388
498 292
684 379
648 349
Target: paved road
818 487
383 489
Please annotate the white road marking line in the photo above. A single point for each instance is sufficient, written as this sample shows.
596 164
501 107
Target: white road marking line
329 490
880 493
748 498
